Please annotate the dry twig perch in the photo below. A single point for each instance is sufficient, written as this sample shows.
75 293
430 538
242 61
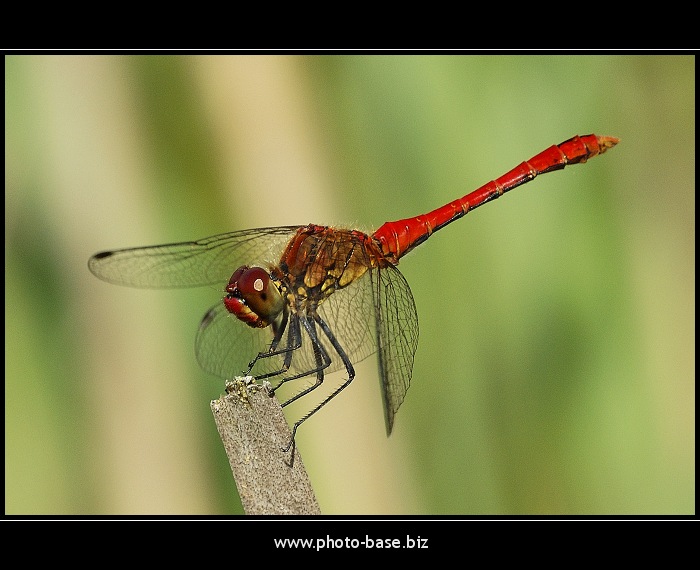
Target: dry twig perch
254 431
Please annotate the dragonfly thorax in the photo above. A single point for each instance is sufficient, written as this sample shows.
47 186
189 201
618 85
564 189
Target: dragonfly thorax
254 298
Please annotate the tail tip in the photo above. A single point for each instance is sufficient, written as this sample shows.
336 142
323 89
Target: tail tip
607 142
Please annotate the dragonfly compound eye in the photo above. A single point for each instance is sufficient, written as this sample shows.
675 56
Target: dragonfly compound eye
253 297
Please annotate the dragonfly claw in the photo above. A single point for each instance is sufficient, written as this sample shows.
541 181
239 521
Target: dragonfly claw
292 442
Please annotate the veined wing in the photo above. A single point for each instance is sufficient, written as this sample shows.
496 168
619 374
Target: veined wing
206 261
397 337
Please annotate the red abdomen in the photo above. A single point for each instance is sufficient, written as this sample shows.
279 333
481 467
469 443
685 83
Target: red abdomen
396 239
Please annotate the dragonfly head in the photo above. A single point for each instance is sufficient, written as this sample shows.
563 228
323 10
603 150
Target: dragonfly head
253 297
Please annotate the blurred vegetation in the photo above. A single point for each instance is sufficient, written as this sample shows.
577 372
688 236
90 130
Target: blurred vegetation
555 372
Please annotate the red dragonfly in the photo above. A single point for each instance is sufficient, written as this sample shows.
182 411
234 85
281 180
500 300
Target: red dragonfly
316 299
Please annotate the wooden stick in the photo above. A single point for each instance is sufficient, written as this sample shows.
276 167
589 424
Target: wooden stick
254 431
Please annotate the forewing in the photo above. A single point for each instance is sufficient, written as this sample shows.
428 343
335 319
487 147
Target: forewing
208 261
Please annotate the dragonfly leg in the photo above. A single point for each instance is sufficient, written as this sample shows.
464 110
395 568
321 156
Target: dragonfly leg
293 343
323 361
348 366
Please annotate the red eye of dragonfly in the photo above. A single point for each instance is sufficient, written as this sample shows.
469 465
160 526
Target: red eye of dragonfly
332 296
253 297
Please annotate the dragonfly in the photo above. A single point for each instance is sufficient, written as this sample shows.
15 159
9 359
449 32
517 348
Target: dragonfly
316 299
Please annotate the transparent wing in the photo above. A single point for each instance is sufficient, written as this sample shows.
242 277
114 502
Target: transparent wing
397 337
208 261
350 315
225 346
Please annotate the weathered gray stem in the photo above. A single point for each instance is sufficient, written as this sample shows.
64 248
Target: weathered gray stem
254 431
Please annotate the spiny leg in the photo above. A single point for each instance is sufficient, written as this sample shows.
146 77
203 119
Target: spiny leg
293 343
348 366
323 360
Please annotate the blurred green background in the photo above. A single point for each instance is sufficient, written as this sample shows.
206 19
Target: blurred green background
555 372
